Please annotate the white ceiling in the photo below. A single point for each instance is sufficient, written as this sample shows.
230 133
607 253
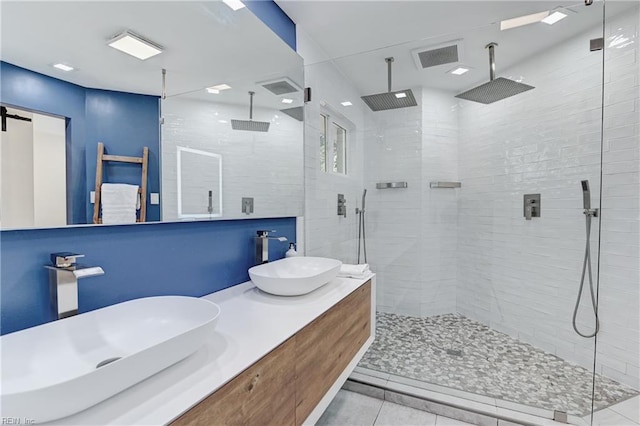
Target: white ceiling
358 35
205 43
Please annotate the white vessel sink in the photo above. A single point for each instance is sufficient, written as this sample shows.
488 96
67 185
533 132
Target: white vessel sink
63 367
294 276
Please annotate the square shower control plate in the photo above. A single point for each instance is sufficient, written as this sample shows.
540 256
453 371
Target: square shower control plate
247 205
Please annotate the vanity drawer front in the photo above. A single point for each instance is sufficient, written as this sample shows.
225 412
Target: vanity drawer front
285 386
325 347
263 394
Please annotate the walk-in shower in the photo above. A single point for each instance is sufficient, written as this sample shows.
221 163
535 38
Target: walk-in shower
473 300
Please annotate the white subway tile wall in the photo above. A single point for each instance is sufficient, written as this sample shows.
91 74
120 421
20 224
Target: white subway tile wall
521 277
618 354
413 231
264 166
326 233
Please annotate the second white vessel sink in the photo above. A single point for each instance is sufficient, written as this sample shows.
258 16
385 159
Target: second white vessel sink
294 276
63 367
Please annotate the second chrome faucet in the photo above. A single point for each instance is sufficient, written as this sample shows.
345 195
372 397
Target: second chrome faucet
262 245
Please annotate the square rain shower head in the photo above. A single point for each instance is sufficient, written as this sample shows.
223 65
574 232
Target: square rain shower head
389 100
250 125
495 90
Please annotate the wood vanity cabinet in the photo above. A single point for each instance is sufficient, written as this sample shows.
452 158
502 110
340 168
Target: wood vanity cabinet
284 386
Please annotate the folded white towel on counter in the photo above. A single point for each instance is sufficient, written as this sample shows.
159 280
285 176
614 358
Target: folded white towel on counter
354 271
118 202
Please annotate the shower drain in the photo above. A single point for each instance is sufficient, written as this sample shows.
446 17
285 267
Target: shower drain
107 361
454 352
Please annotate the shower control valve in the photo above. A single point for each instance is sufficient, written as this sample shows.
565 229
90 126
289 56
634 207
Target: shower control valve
531 206
342 205
591 212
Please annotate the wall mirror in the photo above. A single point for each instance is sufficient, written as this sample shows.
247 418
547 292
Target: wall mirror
61 73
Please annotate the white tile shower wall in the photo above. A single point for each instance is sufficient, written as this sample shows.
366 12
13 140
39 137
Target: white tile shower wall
521 277
326 233
439 211
412 231
618 354
265 166
394 154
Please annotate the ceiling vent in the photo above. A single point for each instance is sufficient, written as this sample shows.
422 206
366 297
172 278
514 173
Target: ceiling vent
280 86
441 54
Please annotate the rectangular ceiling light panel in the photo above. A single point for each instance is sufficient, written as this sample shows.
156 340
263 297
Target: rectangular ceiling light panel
554 17
523 20
135 45
63 67
234 4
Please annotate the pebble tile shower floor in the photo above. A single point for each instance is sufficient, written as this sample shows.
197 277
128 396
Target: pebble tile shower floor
454 351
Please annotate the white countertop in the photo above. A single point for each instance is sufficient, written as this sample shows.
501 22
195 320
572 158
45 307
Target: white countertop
251 324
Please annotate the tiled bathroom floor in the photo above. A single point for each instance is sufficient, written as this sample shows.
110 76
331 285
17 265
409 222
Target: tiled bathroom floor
354 409
453 351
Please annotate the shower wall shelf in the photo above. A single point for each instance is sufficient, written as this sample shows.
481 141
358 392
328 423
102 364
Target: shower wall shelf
391 185
445 184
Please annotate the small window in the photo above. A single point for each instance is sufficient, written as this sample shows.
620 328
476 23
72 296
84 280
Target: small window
333 146
339 135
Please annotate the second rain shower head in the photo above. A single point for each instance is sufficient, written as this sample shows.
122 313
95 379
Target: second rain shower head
250 125
389 99
496 89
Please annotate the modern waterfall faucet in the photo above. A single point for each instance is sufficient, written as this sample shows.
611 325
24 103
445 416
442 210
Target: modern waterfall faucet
262 245
64 274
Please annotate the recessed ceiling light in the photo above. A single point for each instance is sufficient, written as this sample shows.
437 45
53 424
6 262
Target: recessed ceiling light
63 67
135 45
523 20
346 103
234 4
401 95
287 101
217 88
459 70
221 87
554 17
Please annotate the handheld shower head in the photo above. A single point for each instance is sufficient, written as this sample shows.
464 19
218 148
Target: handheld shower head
586 195
364 194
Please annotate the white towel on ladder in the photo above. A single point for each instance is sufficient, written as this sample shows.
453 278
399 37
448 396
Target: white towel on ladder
119 202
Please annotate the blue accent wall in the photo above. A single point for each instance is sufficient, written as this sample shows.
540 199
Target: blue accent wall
275 18
37 92
123 121
191 259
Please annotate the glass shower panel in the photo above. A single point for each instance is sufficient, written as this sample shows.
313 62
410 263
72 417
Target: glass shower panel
519 276
618 345
476 285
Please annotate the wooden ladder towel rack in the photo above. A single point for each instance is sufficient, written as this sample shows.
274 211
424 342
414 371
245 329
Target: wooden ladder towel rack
142 189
